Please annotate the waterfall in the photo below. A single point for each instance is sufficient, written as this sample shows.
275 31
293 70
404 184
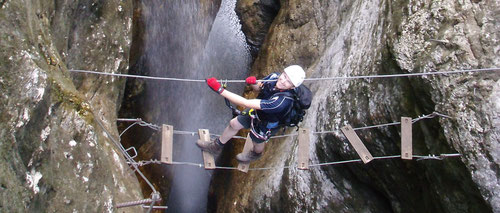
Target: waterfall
179 44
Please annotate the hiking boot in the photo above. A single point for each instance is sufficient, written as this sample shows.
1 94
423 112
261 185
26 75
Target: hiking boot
248 156
214 147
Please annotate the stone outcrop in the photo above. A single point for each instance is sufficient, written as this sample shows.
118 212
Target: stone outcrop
56 156
256 17
351 38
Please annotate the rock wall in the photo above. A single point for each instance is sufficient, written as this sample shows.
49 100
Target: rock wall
350 38
256 17
55 155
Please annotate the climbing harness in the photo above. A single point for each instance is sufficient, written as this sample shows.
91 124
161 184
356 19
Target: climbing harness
252 114
258 133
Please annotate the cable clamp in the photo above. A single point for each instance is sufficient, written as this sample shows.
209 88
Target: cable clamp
155 196
430 157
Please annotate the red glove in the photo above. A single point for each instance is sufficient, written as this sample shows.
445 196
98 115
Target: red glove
214 85
251 80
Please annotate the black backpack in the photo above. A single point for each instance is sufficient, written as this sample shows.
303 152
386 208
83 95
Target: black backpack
302 97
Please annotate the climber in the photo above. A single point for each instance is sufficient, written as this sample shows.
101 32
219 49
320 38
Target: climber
262 115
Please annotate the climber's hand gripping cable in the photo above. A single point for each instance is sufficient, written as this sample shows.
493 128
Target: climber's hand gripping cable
214 85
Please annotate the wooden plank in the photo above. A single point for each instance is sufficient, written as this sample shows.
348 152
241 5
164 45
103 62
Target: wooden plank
303 148
247 148
360 148
208 158
406 138
167 135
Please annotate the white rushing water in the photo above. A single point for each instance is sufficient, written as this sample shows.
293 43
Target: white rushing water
176 45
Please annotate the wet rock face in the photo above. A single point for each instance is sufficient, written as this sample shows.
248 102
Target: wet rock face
460 36
256 17
141 98
350 38
55 156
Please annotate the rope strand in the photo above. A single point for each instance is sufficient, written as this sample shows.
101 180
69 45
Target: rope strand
182 132
493 69
415 157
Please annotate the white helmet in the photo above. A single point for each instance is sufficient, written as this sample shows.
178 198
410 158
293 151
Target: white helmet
296 74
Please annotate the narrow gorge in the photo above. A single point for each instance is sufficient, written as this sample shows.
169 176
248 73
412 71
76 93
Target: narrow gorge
64 146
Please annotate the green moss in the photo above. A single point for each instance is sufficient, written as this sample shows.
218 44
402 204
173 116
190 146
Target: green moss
71 100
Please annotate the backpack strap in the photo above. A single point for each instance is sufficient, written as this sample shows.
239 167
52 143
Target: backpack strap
291 95
286 93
